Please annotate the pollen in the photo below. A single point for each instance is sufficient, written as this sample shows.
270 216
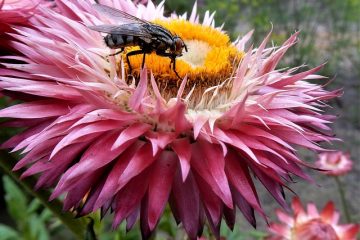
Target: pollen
210 60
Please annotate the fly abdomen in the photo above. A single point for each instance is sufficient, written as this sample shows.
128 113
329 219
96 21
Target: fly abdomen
119 41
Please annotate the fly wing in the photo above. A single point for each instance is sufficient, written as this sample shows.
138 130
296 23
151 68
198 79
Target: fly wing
117 15
133 29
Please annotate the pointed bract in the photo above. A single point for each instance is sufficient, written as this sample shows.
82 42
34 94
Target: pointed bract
310 224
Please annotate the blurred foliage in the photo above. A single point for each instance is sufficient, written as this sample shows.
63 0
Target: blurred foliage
32 220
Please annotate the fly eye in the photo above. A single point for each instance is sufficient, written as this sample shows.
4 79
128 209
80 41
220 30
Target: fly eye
172 48
179 45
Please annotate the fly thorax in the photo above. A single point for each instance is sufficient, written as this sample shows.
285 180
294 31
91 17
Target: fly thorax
161 46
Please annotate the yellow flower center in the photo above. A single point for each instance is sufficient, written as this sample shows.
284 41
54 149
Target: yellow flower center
195 60
211 59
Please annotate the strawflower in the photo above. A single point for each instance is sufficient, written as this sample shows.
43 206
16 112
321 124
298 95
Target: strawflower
335 163
108 141
311 225
14 13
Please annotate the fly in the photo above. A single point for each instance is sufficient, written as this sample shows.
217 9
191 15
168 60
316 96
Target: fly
133 31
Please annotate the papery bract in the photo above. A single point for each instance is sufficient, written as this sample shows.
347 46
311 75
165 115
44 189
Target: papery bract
335 163
310 224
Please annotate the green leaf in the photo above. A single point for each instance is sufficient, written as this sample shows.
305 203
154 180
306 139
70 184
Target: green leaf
46 215
7 233
15 201
90 233
38 228
257 234
34 206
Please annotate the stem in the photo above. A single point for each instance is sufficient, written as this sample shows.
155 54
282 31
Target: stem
343 199
76 226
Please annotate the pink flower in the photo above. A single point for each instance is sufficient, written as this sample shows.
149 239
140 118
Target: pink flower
13 13
335 163
107 142
311 224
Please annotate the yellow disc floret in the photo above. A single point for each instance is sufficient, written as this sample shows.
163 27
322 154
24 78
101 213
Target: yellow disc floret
208 62
189 31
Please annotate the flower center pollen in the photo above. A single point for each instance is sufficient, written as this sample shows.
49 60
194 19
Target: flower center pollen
211 59
196 57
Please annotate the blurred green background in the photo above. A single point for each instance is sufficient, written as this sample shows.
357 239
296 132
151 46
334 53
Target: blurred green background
330 32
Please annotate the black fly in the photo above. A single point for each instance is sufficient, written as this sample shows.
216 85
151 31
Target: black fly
133 31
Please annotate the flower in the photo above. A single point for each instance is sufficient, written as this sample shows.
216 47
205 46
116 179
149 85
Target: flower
311 225
13 13
335 163
134 145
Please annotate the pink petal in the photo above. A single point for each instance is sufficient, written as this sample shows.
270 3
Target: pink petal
182 148
141 160
230 216
131 220
241 43
186 203
216 164
159 140
19 141
246 209
160 183
38 109
81 131
111 185
77 193
127 200
241 180
211 202
204 167
135 101
274 186
199 122
89 162
133 131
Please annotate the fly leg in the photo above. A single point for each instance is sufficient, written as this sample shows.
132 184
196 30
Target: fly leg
173 61
143 62
133 53
116 53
